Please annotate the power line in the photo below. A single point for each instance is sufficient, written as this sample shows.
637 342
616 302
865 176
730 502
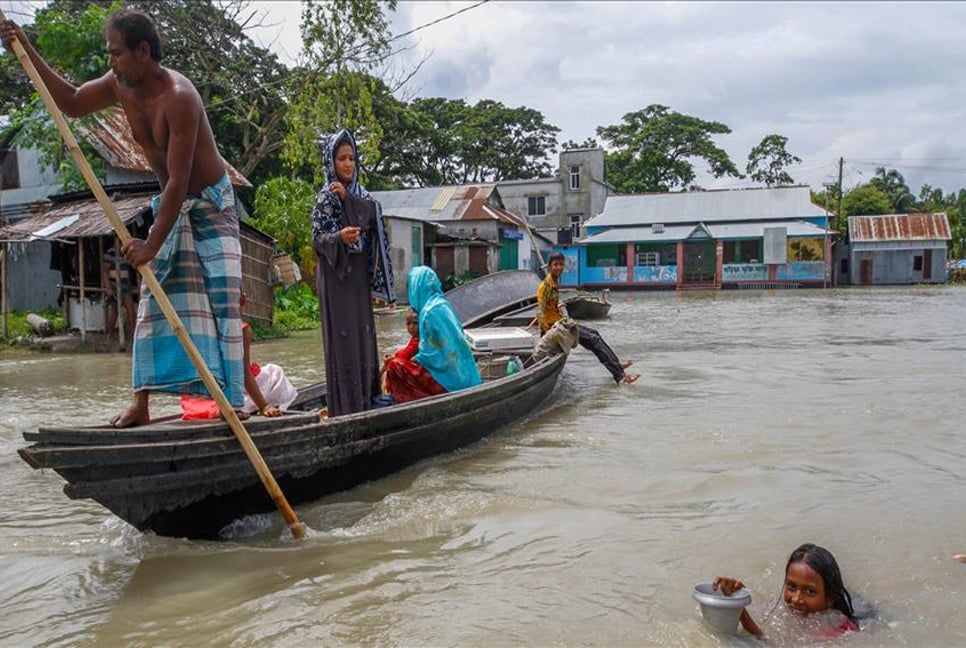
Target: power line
438 20
271 84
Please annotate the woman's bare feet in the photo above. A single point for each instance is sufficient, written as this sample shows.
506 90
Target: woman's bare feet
631 377
626 364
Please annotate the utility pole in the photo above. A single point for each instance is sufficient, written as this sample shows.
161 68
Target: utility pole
838 214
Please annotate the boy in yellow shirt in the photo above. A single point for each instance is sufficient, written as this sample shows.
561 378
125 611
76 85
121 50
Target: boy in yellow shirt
549 311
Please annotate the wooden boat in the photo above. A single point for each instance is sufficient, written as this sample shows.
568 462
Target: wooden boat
587 307
479 301
191 478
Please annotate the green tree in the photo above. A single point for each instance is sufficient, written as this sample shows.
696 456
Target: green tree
768 160
653 150
70 36
342 44
282 208
456 143
242 85
865 200
589 143
894 185
933 200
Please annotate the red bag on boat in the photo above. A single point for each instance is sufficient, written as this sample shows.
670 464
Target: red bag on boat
195 407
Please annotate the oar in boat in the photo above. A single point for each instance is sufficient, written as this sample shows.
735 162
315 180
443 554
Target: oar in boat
254 456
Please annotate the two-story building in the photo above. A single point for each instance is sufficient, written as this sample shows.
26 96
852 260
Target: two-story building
558 207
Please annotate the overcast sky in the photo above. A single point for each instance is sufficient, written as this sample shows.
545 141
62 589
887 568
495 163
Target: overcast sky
875 83
879 84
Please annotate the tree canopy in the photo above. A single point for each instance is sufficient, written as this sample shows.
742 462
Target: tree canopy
892 184
653 150
242 85
768 160
865 200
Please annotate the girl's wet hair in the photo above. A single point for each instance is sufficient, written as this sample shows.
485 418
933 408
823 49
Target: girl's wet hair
823 562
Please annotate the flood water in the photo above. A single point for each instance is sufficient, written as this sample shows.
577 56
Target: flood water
762 420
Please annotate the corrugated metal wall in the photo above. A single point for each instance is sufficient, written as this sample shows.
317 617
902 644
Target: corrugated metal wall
875 266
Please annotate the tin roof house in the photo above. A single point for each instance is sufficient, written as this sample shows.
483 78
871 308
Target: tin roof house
746 238
895 249
467 230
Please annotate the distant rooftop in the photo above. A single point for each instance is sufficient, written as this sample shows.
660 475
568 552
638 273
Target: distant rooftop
707 207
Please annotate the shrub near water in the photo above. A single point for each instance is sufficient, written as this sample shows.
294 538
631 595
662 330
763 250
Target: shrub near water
19 327
296 308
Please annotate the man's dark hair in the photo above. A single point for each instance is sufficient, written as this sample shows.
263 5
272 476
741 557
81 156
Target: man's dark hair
135 27
556 255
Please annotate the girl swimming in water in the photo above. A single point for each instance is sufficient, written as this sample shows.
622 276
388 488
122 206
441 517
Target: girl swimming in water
813 584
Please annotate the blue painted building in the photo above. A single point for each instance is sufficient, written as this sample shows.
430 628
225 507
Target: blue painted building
773 238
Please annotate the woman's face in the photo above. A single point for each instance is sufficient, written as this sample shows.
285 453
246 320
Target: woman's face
345 163
804 589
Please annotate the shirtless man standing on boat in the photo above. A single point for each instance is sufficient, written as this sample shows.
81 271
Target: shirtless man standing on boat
168 120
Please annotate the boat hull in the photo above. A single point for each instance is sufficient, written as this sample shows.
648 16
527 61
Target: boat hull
587 308
189 479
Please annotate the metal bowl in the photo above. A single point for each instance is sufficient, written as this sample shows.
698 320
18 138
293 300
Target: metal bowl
719 611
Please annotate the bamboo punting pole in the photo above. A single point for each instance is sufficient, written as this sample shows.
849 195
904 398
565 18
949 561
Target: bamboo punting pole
254 456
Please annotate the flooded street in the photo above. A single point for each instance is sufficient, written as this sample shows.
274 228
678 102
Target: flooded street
762 420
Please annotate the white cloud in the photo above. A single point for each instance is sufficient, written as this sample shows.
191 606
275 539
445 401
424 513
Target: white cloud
867 81
863 81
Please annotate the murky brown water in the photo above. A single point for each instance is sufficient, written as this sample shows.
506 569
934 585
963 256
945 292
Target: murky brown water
763 420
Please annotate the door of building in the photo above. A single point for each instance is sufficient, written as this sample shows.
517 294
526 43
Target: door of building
478 265
509 260
865 272
927 264
700 262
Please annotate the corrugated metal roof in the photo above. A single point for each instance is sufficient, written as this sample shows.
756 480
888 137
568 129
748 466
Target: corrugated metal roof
707 206
717 230
449 203
90 221
442 199
84 218
110 134
899 227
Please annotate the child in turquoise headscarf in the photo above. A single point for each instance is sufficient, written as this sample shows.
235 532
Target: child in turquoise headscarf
443 351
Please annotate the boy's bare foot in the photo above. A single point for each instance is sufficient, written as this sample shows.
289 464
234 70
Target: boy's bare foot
131 417
631 377
626 364
960 558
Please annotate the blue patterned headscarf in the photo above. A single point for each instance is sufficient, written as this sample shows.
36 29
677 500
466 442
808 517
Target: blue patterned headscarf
327 217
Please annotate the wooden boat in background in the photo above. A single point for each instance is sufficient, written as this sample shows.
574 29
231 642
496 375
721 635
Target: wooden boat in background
479 301
588 307
191 478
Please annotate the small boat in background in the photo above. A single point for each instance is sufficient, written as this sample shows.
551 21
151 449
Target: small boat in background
588 307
